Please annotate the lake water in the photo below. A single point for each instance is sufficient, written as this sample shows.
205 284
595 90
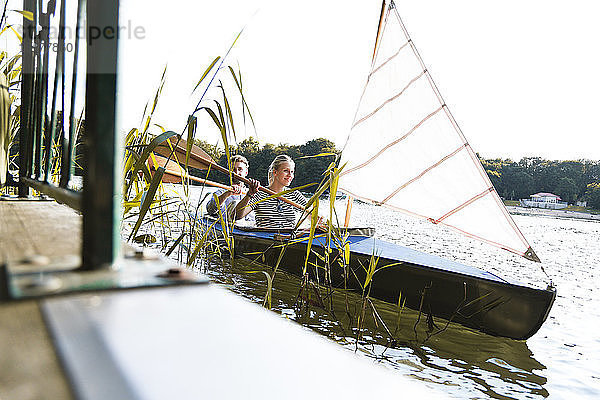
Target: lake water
559 362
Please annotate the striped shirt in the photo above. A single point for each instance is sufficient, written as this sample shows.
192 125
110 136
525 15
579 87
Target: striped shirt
275 213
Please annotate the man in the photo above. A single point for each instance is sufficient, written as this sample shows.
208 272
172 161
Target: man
228 199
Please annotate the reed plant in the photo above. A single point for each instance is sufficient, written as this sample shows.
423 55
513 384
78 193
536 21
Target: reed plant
332 253
10 85
156 215
154 211
148 204
10 110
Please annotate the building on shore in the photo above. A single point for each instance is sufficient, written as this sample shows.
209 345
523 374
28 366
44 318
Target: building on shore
544 200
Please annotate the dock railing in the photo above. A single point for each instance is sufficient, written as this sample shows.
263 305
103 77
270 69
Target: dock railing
50 106
47 137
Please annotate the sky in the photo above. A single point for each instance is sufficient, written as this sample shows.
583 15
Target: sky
520 77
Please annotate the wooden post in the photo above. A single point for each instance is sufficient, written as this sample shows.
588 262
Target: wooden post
101 180
25 133
348 211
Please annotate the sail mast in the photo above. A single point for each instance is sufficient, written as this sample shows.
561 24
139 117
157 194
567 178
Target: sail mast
379 26
377 36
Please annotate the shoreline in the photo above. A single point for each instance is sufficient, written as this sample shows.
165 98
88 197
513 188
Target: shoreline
544 212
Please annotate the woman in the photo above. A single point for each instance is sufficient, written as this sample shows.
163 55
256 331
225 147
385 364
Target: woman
274 212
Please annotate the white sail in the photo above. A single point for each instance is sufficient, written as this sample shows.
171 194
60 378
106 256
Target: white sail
405 150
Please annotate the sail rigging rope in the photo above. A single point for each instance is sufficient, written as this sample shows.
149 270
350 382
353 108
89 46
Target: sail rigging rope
414 128
386 102
426 170
389 59
463 205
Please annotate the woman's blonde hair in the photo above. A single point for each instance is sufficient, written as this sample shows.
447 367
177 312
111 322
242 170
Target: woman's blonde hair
280 159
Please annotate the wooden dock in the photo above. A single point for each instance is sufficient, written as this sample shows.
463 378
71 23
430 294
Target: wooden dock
38 232
190 342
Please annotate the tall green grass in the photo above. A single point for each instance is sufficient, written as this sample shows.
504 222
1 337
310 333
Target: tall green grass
10 111
150 208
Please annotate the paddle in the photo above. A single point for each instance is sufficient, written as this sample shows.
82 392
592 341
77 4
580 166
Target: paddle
247 181
197 156
173 169
202 160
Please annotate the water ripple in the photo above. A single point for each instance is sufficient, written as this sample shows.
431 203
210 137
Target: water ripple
560 361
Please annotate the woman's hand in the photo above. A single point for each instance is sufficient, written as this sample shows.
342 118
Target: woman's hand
253 186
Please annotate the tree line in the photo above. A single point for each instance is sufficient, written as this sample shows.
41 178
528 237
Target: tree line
572 180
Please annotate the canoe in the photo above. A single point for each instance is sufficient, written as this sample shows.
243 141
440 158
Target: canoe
433 285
